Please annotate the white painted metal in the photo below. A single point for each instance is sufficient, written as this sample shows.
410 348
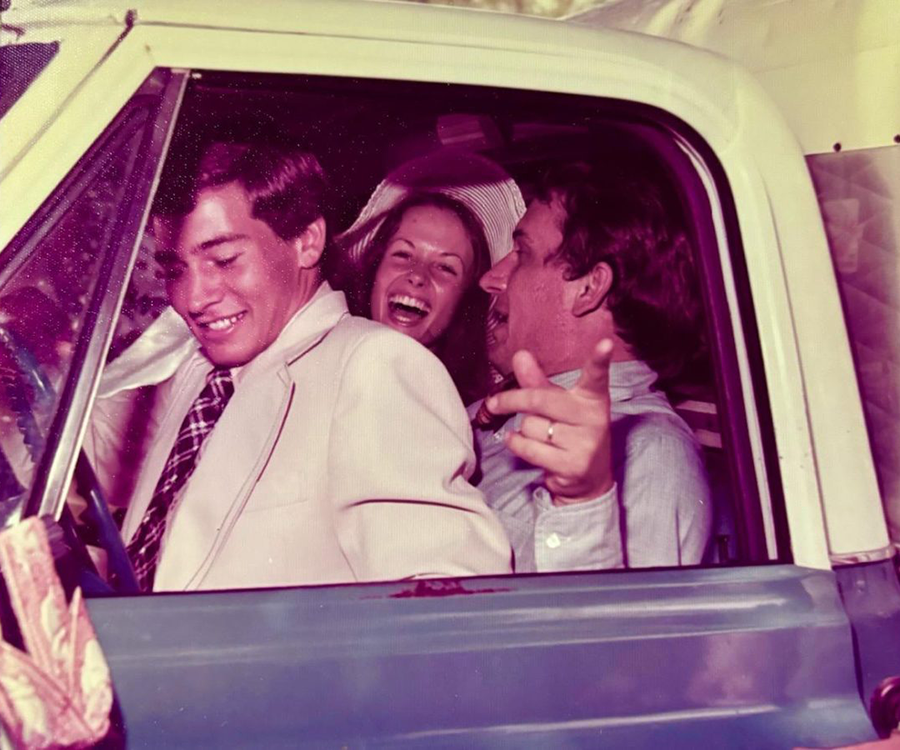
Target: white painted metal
832 66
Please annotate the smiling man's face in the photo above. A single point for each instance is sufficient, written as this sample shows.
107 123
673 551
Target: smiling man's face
233 280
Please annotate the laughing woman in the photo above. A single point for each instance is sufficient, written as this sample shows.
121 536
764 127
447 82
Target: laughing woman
419 247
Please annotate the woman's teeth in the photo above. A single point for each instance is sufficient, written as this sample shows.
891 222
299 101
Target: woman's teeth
409 304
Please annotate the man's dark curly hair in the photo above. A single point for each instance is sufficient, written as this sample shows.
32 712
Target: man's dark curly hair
629 221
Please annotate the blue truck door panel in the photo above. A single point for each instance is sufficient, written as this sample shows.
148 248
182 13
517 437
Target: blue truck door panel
740 657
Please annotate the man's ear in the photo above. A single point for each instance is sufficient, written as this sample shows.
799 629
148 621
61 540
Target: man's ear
310 243
591 289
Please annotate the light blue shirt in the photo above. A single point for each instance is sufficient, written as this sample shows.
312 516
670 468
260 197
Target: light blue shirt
658 514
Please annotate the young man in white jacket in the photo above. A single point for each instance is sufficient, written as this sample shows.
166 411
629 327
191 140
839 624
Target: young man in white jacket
341 452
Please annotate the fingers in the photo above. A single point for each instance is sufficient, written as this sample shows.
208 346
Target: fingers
539 428
535 452
553 403
565 471
594 380
527 370
575 456
537 395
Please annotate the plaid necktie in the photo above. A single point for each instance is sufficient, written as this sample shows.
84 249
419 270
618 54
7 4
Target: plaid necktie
199 422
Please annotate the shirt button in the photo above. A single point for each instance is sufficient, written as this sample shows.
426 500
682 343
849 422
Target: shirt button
553 541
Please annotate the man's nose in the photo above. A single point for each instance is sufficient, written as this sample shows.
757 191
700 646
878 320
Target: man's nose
203 289
493 281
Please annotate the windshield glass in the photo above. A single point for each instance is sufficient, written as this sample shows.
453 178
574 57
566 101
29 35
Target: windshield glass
20 64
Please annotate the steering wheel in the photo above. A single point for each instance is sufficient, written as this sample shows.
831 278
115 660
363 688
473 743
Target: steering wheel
29 392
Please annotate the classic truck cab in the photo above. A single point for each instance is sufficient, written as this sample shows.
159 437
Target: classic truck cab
780 638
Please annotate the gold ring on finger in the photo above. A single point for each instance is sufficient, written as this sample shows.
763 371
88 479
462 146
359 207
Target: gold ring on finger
550 432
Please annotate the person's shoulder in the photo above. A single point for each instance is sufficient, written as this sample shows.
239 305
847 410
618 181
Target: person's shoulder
356 336
657 426
370 338
658 446
381 363
374 347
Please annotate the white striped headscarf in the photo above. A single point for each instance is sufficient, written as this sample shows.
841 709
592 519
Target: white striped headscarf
480 184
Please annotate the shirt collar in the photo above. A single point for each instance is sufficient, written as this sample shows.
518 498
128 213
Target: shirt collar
627 379
320 313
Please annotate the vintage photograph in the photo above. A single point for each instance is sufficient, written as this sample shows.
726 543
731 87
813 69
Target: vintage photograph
478 373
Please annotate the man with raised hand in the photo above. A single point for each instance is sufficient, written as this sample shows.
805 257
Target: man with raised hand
595 309
289 442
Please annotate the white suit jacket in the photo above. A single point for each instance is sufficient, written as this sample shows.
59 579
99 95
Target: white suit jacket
343 455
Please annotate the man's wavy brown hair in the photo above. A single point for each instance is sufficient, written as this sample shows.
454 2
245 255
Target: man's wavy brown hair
633 223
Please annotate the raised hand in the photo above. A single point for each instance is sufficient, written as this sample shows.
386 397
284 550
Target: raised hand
566 433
